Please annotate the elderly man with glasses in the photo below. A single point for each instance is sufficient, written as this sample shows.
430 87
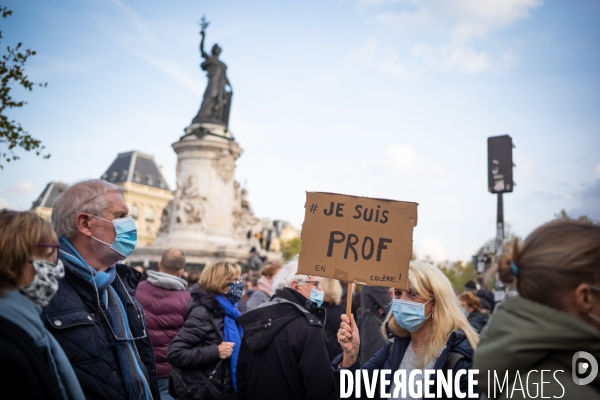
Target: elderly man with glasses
284 349
94 315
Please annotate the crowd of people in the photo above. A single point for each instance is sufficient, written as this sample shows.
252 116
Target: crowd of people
78 323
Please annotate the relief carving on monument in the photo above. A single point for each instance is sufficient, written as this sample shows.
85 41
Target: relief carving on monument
191 209
224 164
244 220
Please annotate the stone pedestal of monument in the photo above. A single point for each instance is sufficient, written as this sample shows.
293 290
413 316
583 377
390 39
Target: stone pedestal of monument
209 217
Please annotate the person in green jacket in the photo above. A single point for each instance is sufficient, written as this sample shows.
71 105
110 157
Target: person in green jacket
534 344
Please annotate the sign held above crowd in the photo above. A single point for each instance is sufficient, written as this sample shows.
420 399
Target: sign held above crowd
357 239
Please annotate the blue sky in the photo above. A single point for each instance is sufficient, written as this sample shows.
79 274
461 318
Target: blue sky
377 98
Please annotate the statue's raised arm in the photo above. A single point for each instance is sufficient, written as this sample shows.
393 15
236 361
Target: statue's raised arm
202 52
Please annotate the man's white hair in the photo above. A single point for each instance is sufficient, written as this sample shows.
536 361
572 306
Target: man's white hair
288 274
88 196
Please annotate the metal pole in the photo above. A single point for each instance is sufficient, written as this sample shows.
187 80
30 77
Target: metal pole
499 225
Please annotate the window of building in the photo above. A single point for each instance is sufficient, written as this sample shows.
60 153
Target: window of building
149 180
149 214
124 175
133 211
136 177
113 176
161 183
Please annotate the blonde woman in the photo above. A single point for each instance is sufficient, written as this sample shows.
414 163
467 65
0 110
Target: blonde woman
331 303
211 336
425 329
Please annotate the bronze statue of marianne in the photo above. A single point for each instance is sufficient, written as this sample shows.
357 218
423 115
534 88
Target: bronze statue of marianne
217 101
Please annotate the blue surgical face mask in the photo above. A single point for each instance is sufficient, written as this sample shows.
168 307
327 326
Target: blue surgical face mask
464 310
317 297
125 235
409 314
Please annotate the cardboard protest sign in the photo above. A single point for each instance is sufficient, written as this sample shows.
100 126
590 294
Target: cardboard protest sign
357 239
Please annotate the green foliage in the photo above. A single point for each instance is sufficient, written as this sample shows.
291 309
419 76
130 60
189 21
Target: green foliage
563 216
11 71
458 274
290 248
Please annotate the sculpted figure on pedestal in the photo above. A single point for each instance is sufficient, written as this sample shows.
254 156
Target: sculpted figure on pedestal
217 100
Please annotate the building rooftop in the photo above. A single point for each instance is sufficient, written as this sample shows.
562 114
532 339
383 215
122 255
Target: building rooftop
50 194
135 167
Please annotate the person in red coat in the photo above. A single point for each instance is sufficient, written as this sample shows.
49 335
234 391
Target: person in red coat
165 300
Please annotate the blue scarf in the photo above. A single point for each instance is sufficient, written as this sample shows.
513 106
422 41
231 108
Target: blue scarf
17 308
133 371
233 333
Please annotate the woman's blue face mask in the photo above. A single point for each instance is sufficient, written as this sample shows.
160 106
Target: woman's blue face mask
125 235
410 315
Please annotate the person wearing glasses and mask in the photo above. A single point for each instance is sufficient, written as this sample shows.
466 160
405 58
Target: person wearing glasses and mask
211 335
284 351
94 315
32 363
425 329
551 329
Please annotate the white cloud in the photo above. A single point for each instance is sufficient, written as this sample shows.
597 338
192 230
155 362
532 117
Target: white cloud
463 20
383 58
432 247
23 187
4 203
596 172
399 158
457 57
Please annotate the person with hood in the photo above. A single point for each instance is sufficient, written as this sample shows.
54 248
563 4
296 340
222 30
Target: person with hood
264 292
471 305
211 331
425 329
32 363
165 300
535 338
284 349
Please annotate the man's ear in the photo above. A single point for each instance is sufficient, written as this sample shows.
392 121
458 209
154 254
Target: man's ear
82 222
583 298
294 285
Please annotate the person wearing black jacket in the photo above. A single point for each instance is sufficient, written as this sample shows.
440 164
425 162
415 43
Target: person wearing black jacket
284 349
331 303
198 346
94 315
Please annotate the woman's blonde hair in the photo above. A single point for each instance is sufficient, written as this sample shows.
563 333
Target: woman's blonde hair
216 275
428 281
20 234
472 300
332 289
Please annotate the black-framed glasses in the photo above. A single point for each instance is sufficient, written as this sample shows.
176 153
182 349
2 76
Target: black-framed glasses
315 283
56 247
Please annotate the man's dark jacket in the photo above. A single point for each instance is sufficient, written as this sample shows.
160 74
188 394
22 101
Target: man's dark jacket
76 321
24 370
284 351
390 358
195 346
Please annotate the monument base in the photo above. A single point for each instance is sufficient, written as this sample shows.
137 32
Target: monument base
209 217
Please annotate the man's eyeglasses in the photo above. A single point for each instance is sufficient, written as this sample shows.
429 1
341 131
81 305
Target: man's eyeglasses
315 283
56 247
